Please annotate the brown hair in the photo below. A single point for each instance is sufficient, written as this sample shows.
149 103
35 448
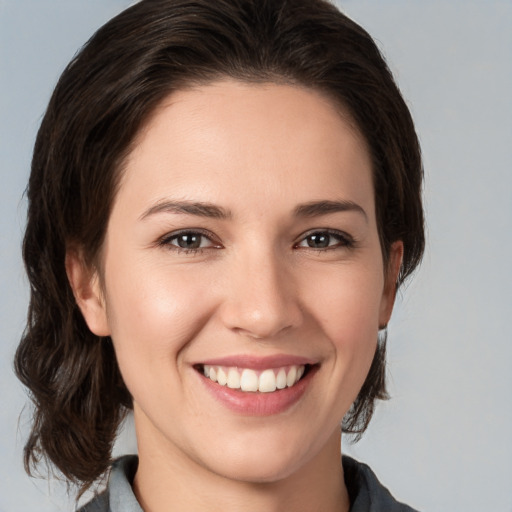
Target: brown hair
99 105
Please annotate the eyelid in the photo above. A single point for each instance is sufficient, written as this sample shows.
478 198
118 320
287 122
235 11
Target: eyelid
165 240
345 239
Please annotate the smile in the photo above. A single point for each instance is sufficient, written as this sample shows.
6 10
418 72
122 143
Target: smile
249 380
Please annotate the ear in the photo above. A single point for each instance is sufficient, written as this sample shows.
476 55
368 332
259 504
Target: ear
391 276
86 287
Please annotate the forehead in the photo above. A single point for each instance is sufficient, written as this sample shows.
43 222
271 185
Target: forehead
285 143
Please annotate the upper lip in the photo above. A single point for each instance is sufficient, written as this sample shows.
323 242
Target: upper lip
258 362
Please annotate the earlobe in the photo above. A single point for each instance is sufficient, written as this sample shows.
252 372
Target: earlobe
86 288
393 268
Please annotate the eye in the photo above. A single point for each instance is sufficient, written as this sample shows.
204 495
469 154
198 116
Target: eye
189 240
325 239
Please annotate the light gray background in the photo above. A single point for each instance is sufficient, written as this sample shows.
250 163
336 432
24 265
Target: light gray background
444 441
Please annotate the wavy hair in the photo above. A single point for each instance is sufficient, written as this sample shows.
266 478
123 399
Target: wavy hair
100 103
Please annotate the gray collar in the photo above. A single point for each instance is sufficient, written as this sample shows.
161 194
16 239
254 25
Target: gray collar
118 496
367 494
121 494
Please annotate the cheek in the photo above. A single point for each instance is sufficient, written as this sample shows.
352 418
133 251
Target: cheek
346 307
346 301
153 315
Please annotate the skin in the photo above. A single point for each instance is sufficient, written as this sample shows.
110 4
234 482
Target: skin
256 287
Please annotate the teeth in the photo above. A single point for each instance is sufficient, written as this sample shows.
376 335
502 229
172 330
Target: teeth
281 379
291 378
222 378
267 382
249 380
233 379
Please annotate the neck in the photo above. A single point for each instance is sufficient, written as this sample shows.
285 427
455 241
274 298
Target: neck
182 484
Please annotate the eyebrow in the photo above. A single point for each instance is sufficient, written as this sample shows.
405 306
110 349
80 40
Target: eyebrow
212 211
317 208
197 208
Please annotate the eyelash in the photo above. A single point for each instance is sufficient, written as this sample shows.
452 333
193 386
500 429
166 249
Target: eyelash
343 240
167 240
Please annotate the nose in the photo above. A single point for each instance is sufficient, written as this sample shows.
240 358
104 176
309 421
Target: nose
261 300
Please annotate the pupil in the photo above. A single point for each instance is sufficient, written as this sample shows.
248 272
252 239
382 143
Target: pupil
319 241
189 241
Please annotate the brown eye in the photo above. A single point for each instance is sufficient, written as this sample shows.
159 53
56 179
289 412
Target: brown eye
189 240
325 240
319 240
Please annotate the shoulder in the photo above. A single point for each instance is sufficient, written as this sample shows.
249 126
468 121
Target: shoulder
97 504
118 496
367 494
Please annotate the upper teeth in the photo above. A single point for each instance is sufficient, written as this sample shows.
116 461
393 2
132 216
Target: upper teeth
246 379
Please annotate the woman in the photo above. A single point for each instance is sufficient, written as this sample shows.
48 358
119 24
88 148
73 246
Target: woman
224 198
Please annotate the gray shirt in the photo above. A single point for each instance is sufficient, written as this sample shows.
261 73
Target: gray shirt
366 493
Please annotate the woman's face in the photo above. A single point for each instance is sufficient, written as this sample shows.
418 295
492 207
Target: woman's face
242 250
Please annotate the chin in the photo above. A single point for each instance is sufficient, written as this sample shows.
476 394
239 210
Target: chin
257 471
258 460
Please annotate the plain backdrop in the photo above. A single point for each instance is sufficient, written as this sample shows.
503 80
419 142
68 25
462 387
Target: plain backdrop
443 443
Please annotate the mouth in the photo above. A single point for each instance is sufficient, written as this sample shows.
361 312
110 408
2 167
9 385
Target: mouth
249 380
258 386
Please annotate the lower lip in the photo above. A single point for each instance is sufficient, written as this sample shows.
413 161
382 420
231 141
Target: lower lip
256 403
